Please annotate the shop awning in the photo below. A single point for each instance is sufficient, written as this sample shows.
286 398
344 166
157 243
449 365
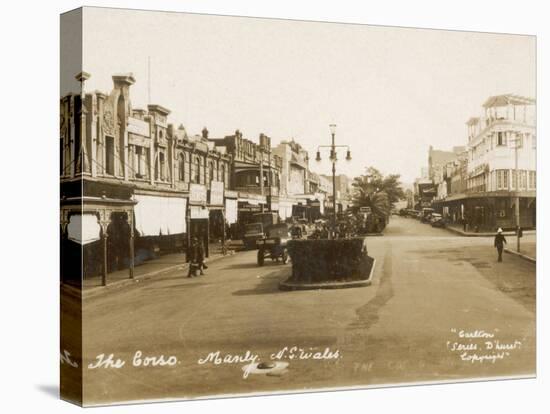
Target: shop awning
83 229
157 215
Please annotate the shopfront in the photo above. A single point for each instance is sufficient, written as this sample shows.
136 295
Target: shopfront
216 213
199 217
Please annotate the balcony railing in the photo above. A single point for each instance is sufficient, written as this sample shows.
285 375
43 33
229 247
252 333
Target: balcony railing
254 189
477 189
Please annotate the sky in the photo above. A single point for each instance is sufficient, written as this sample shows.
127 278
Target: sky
392 92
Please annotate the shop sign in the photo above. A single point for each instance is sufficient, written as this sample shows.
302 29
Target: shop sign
251 208
197 194
216 193
198 212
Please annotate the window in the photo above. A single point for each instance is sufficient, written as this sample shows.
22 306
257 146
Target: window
505 179
501 139
197 178
109 155
139 162
211 171
223 174
532 180
502 179
519 140
181 167
161 164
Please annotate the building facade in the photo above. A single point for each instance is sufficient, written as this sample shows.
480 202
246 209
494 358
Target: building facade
499 169
255 175
132 185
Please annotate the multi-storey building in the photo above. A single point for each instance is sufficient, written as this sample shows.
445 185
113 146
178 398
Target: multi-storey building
297 196
255 174
500 166
132 185
343 191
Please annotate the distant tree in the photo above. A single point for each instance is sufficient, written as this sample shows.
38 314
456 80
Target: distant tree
376 191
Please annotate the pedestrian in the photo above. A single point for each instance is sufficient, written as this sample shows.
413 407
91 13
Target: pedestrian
192 255
464 223
500 241
200 256
324 232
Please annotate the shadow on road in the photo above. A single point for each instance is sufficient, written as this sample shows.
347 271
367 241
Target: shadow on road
180 285
367 315
240 266
269 284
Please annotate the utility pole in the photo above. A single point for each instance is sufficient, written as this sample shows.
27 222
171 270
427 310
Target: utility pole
261 176
516 145
333 157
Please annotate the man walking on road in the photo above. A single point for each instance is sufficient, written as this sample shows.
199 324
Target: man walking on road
500 241
196 257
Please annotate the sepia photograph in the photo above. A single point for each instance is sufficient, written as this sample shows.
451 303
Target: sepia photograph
256 206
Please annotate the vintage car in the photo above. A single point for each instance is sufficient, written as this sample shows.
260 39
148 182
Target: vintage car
273 245
426 215
252 233
437 220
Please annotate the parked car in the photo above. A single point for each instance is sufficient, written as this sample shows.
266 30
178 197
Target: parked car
434 217
273 245
426 214
438 221
252 233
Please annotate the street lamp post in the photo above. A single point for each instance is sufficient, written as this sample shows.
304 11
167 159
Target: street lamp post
333 148
333 158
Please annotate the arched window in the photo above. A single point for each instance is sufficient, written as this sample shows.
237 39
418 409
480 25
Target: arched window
161 165
181 167
223 174
197 178
211 171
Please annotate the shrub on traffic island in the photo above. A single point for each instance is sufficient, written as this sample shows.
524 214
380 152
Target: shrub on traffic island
324 260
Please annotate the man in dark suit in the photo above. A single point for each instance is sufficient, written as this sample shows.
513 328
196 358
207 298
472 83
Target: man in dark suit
195 257
500 241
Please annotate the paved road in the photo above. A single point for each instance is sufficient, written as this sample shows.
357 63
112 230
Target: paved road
430 290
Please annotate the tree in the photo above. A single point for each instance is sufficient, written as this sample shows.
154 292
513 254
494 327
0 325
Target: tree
376 191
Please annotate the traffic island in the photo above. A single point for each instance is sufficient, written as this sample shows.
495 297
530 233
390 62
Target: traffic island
329 264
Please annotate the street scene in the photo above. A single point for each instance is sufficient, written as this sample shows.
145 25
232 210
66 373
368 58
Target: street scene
429 285
227 231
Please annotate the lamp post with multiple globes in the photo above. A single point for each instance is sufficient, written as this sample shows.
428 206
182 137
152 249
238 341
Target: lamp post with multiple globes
333 158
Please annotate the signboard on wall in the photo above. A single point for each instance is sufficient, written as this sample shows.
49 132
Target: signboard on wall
216 193
198 212
231 212
138 127
197 194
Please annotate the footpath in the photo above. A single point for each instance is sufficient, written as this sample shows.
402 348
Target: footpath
527 251
151 268
528 243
